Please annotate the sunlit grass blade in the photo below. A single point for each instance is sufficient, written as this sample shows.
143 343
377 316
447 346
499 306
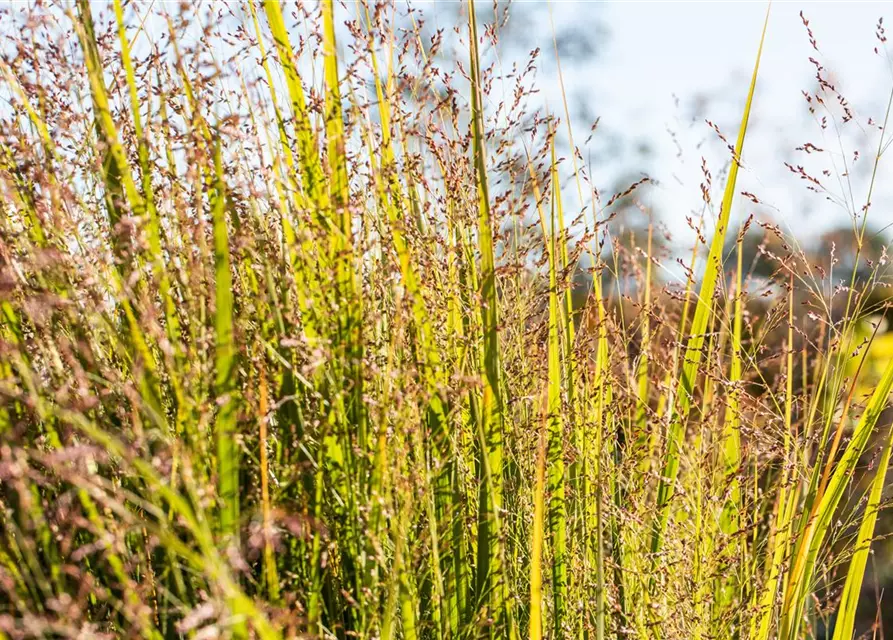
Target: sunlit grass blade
536 544
730 455
270 573
555 462
308 154
852 588
646 440
731 438
224 366
685 388
490 553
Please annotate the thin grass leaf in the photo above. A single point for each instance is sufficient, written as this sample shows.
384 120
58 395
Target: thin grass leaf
703 311
852 589
225 362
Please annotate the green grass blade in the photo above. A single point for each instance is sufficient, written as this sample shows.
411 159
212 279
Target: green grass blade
224 362
557 507
852 588
491 572
536 545
703 310
311 170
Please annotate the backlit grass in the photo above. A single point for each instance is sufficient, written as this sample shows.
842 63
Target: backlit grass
309 330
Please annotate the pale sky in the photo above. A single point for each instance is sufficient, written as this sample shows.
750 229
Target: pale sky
658 50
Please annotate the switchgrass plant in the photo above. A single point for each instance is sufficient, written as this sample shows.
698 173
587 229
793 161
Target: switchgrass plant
293 345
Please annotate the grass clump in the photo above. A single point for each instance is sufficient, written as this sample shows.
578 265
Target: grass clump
293 345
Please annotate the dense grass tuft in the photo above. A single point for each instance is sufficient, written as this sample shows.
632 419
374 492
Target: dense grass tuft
303 334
